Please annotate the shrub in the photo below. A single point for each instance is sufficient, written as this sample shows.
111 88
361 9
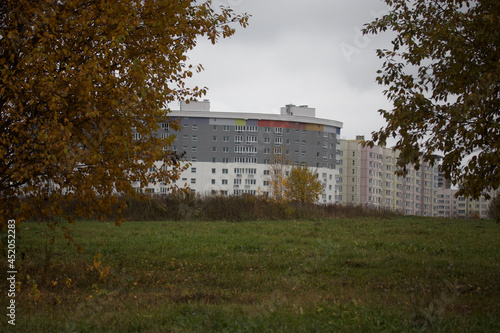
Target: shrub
239 208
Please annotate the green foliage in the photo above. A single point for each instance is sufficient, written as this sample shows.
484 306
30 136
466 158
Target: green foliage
443 77
83 86
405 274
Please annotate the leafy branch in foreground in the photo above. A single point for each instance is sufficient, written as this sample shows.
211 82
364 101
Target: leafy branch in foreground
443 77
83 86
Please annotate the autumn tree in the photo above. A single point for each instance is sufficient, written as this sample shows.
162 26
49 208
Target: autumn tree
302 185
83 86
278 170
443 76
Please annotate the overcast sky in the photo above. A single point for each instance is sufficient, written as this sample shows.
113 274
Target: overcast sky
302 52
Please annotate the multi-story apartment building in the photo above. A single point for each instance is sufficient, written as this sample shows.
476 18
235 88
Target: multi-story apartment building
230 152
447 204
367 177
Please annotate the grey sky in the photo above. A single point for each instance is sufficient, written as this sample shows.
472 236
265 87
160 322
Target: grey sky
301 52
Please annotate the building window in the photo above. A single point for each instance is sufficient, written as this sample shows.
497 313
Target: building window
246 149
225 139
251 139
194 149
213 170
224 171
226 128
267 129
195 127
214 138
193 170
193 180
245 160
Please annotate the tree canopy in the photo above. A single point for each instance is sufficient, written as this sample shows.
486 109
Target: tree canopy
443 76
83 87
302 185
289 182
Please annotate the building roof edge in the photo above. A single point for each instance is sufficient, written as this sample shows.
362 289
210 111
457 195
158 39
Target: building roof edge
257 116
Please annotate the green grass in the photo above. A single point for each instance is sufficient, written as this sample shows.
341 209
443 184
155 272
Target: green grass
364 275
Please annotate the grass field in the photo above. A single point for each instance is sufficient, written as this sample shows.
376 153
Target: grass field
365 275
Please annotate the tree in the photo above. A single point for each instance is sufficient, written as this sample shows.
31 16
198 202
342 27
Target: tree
302 185
443 75
278 169
494 207
83 88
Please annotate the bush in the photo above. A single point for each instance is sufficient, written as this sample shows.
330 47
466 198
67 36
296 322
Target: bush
239 208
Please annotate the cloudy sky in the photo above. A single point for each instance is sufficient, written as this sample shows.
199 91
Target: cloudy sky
302 52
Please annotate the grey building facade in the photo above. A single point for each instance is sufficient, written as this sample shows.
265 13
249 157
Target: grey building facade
230 152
